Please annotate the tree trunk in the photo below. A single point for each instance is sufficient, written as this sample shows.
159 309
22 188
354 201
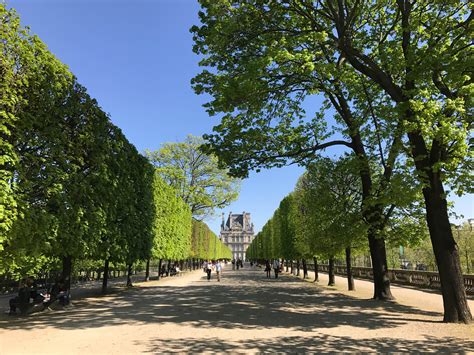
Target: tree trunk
297 267
374 217
350 278
379 266
159 268
332 280
456 308
129 276
105 277
67 271
168 267
286 265
305 269
147 271
316 269
292 267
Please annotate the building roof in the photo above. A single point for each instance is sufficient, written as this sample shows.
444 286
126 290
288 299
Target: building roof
237 222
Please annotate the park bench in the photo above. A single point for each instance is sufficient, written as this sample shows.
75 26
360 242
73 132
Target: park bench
28 302
25 304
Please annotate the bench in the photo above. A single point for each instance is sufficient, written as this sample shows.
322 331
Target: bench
26 304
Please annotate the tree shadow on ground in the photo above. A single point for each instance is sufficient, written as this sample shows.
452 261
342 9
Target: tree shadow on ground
319 343
240 301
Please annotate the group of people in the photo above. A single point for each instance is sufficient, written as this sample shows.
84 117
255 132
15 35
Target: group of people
172 271
276 268
210 266
237 264
28 295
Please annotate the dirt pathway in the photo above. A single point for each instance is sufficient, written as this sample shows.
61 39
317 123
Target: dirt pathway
243 313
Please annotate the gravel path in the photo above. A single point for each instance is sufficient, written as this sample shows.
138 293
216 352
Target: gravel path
245 312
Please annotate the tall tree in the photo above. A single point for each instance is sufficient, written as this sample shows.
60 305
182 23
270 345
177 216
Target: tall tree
270 55
196 176
264 123
420 54
328 209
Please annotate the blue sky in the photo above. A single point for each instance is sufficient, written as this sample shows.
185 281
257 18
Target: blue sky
136 59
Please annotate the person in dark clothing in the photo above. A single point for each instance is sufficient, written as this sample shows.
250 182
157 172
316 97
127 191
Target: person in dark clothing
34 294
268 269
23 297
209 267
58 293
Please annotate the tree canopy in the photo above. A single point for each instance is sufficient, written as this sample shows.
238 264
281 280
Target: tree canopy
195 175
396 73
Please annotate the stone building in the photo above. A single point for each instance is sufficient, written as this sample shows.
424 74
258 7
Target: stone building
237 233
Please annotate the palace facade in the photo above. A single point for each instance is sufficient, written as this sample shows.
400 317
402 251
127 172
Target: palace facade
237 233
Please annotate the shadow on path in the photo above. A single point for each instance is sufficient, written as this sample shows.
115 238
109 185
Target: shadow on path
318 343
243 300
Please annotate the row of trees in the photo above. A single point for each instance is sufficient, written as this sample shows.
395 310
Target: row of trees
396 80
206 245
321 220
72 186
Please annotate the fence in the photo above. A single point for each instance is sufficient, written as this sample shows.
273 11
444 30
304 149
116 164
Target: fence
421 279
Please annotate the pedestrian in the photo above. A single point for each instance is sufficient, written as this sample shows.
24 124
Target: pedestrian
209 270
218 270
23 297
238 263
268 269
276 267
233 264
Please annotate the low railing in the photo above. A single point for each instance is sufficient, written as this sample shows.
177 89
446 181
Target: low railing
422 279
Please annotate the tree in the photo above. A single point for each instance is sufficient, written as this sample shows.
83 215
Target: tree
195 175
172 225
464 236
260 87
206 245
269 55
328 210
287 228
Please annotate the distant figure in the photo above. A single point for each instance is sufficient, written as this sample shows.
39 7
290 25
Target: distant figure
276 267
209 270
218 270
233 264
58 292
22 298
268 269
238 263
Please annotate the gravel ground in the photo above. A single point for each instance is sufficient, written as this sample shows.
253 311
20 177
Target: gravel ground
245 312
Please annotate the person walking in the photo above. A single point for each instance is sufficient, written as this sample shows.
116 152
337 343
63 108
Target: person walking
218 270
268 269
209 270
276 267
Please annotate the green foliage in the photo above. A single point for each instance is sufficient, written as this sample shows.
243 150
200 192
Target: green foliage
72 186
464 236
328 208
172 223
206 245
195 175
